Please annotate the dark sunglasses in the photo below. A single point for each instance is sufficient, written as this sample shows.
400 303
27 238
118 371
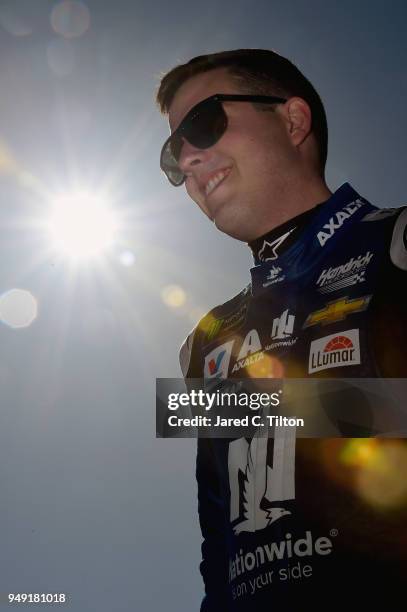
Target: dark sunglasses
202 127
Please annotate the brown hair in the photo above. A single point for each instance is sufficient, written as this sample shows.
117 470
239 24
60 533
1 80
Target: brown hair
255 71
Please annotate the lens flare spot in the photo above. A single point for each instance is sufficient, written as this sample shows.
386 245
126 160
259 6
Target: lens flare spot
18 308
382 481
70 19
82 225
359 452
195 314
265 367
8 164
127 258
173 296
17 17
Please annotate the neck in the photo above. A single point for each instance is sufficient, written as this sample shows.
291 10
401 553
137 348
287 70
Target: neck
295 198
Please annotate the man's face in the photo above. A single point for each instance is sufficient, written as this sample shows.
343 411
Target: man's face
240 181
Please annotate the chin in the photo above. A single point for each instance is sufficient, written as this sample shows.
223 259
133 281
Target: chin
232 226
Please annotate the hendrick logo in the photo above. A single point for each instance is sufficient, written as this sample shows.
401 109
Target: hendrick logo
336 222
346 275
336 350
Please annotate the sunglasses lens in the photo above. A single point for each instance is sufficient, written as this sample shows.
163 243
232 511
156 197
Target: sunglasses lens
207 126
202 129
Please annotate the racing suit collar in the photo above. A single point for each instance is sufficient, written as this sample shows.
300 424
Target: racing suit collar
273 244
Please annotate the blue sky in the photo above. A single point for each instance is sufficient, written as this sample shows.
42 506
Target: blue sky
92 504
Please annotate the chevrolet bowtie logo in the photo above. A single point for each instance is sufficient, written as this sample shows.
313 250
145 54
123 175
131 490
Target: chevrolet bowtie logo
337 311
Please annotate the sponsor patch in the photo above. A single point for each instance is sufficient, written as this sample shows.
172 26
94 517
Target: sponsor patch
334 351
250 351
345 275
217 361
337 310
282 331
336 222
273 276
268 251
226 324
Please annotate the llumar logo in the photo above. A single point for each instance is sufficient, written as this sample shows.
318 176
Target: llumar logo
334 351
336 222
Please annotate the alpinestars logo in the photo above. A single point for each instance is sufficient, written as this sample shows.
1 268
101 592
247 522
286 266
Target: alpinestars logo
334 351
336 222
346 275
268 251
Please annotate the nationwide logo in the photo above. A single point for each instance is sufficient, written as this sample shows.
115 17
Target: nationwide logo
233 321
337 311
273 276
346 275
336 222
282 331
217 361
383 213
268 251
336 350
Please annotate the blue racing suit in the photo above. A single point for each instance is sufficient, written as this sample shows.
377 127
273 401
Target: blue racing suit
286 521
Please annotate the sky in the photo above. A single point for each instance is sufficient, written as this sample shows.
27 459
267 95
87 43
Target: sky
92 504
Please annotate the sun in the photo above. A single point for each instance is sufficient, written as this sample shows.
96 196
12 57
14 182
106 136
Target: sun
82 225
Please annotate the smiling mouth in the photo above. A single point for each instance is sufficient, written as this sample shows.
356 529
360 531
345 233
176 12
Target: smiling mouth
215 181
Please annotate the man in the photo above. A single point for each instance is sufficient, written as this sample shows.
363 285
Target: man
290 522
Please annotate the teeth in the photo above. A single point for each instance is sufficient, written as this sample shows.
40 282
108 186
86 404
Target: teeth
214 181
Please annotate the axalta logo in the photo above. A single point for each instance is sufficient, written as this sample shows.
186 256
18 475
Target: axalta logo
217 361
345 275
282 331
337 310
336 350
250 352
336 222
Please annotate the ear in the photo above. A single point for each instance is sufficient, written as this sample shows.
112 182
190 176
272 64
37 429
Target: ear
299 119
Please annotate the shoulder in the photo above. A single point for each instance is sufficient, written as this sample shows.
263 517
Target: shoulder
398 245
391 222
207 328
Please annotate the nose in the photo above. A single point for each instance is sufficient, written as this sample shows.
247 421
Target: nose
191 156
